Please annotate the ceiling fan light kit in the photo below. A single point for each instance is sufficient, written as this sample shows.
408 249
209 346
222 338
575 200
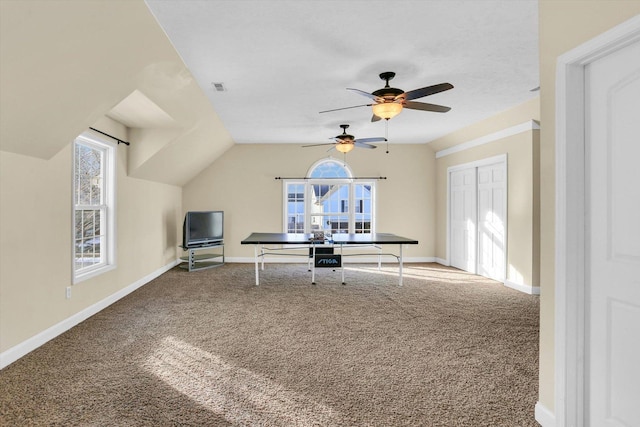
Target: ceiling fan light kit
386 110
344 147
345 142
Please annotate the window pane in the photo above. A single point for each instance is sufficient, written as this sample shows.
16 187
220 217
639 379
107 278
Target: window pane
329 169
89 240
330 223
362 208
88 175
333 198
295 208
295 224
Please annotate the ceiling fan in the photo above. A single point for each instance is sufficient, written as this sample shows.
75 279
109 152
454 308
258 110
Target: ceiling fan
345 142
390 101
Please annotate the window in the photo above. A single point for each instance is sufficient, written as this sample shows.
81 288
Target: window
295 208
93 199
330 200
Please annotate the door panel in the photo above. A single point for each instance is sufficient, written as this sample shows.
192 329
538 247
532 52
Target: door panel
613 239
463 219
492 221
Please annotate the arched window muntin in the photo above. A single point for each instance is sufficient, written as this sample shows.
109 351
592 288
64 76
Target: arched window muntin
330 199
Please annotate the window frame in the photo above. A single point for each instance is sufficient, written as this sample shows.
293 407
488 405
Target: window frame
107 207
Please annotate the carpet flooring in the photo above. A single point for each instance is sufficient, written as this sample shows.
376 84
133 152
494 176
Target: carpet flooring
209 348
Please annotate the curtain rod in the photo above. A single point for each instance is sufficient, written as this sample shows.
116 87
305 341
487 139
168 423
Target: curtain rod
111 136
353 177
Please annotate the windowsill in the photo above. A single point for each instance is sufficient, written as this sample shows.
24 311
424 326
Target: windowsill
93 273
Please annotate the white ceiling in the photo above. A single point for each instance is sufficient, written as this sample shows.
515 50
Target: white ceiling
282 62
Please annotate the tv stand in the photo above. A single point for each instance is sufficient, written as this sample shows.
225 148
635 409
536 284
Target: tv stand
212 256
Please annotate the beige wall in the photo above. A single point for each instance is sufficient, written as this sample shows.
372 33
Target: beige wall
242 183
36 239
522 203
64 68
66 64
35 164
521 259
564 25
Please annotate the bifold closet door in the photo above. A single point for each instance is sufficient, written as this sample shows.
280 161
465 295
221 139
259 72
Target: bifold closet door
492 187
463 219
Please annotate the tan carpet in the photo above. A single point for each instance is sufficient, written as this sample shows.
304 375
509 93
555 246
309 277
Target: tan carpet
209 348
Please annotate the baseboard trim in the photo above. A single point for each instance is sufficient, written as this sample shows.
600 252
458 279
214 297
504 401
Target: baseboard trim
442 261
16 352
350 259
527 289
544 417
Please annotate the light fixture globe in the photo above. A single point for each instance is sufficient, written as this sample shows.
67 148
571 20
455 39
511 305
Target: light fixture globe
344 146
387 110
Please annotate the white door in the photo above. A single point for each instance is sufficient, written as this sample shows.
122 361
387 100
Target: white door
613 239
491 221
463 219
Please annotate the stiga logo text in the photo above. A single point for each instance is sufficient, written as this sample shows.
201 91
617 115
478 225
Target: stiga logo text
328 261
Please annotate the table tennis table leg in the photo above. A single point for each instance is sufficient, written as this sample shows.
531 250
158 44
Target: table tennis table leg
313 265
255 255
342 264
400 264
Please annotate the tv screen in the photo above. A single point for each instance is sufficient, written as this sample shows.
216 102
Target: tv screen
202 228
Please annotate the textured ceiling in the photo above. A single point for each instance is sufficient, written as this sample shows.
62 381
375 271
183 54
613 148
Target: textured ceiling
282 62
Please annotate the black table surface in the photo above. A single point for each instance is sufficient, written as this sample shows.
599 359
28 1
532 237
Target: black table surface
338 238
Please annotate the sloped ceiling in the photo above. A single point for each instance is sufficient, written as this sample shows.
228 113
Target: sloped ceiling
284 61
65 65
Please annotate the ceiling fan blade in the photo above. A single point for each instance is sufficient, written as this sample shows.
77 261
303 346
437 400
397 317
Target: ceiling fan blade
363 145
425 91
375 118
346 108
412 105
367 94
318 145
375 139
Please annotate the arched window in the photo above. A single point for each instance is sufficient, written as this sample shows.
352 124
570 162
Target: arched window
330 200
329 168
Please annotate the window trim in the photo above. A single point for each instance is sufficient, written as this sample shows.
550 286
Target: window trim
109 203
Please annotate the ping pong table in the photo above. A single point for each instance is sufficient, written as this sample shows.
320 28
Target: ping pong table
340 241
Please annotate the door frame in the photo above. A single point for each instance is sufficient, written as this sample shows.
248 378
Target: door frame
501 158
570 210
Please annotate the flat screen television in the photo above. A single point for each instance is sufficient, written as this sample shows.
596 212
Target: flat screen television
202 228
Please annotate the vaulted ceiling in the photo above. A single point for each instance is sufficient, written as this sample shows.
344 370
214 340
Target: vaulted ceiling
282 62
65 66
